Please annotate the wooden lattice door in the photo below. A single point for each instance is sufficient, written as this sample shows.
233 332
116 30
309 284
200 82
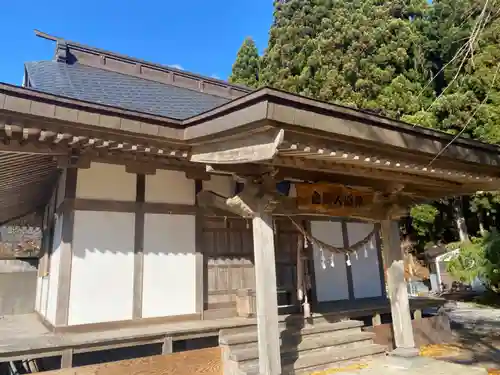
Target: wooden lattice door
286 238
229 261
228 255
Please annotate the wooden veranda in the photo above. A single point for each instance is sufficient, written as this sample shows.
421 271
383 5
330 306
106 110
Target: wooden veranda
261 139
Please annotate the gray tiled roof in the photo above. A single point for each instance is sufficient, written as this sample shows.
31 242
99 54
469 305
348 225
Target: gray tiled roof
119 90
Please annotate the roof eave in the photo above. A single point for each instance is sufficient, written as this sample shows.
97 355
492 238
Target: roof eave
307 116
267 107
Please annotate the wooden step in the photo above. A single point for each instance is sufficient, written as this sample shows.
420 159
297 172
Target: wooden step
293 320
228 312
312 343
236 337
304 362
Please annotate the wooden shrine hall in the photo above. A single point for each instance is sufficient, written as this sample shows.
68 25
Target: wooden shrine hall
129 193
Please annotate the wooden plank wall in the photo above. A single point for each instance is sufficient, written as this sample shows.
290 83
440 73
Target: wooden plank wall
194 362
228 250
286 237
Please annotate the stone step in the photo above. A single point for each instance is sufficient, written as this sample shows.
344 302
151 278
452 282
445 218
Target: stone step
329 368
311 343
234 337
294 320
304 362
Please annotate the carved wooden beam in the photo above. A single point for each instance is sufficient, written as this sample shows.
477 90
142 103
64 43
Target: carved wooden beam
140 168
245 204
209 199
197 175
255 197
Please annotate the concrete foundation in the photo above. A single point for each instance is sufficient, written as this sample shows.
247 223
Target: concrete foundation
428 330
17 287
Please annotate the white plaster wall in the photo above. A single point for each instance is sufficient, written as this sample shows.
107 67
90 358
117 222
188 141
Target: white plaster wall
169 278
106 182
38 296
102 271
365 270
170 187
223 185
54 268
331 282
44 292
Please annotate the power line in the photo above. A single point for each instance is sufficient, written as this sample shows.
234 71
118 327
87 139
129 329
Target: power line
470 118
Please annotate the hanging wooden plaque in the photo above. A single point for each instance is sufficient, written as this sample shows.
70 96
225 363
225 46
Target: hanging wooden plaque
331 199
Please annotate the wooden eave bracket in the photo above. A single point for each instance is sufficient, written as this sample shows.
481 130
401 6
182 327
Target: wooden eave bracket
253 148
82 162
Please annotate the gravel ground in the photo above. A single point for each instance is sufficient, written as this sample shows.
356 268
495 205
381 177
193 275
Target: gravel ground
478 319
477 332
413 366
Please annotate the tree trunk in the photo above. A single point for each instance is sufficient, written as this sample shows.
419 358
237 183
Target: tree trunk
480 219
458 217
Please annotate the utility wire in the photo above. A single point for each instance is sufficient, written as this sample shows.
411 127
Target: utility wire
470 118
464 51
476 31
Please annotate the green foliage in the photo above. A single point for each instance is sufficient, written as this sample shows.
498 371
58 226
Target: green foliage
480 258
397 58
393 58
423 217
468 264
485 200
364 54
246 68
468 89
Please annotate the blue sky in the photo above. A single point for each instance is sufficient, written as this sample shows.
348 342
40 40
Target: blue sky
201 36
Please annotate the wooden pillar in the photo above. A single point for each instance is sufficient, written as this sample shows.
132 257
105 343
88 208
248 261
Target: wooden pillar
167 346
376 319
140 196
417 314
67 215
67 358
398 293
267 299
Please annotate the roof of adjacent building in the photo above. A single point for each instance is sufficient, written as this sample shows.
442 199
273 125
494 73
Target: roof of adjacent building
433 251
95 75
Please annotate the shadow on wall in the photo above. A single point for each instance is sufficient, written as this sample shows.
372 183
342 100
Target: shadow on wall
115 232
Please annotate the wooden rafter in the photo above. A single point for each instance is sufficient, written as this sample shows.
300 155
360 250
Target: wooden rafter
372 160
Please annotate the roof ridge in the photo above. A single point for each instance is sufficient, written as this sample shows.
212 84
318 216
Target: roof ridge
63 43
